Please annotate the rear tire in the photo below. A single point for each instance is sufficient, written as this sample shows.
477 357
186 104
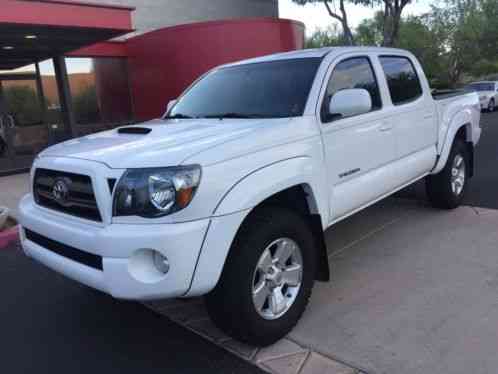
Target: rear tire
257 266
3 147
447 189
491 106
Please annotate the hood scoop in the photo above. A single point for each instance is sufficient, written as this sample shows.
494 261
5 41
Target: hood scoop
134 130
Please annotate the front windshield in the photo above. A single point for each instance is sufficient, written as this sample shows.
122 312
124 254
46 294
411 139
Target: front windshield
482 86
276 89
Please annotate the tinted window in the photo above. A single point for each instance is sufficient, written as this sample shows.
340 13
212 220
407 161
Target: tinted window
352 73
269 90
402 79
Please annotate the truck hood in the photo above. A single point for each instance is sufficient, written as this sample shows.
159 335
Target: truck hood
168 143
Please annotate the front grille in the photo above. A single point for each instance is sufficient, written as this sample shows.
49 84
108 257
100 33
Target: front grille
63 250
78 197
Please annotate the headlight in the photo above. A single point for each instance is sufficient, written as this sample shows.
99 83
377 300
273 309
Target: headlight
156 192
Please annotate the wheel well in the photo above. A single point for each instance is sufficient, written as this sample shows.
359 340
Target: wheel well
295 198
464 134
301 200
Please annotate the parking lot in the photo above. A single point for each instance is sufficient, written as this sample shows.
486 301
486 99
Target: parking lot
414 290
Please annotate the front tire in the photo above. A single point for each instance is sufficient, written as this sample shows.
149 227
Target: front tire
267 279
447 189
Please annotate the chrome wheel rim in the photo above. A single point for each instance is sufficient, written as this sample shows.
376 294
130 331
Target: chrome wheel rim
458 175
277 278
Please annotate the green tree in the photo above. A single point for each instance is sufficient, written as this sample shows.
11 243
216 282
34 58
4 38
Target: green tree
328 37
458 27
391 16
337 10
391 22
370 31
489 23
416 36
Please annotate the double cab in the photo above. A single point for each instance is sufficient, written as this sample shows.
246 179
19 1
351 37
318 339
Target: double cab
229 193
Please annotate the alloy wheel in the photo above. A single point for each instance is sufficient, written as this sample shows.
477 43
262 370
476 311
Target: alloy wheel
458 175
277 278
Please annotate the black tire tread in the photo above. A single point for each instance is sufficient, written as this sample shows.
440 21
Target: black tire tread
438 186
225 305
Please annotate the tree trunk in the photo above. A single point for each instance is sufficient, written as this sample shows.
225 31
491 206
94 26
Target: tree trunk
391 29
343 19
392 21
348 34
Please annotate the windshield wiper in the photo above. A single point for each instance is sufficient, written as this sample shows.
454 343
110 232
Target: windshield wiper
178 116
233 115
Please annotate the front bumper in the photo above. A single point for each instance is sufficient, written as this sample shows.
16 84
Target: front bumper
127 270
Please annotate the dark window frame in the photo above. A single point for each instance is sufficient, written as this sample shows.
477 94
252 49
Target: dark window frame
374 73
408 101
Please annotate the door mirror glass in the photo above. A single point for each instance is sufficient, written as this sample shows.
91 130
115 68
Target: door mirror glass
170 105
350 102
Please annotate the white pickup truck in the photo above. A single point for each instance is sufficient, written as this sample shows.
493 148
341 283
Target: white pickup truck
229 193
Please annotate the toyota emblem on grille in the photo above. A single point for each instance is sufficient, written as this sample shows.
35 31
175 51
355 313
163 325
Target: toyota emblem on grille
60 191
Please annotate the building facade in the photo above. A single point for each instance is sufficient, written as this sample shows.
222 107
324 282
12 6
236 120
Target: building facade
70 68
155 14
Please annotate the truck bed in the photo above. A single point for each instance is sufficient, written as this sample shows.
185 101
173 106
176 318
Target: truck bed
446 94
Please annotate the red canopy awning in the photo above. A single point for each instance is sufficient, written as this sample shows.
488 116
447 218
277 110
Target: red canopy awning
32 31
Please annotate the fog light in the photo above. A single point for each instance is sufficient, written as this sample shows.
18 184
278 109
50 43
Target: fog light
161 262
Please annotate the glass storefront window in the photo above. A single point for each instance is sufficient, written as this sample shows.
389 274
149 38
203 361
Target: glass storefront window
22 102
53 115
23 70
100 93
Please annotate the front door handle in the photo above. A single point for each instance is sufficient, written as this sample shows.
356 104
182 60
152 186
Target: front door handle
385 127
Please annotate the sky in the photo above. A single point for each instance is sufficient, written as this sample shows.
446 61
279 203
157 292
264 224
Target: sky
315 16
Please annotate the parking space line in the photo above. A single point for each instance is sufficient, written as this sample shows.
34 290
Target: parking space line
366 236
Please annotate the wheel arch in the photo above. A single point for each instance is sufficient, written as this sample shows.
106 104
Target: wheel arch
459 130
300 199
292 184
298 192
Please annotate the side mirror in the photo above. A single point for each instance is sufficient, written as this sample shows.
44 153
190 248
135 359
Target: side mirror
170 105
350 102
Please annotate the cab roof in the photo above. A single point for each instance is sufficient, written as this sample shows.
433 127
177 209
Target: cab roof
317 53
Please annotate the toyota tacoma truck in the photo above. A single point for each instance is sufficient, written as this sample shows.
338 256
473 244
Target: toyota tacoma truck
229 193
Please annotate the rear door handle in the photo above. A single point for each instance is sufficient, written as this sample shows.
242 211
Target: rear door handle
385 127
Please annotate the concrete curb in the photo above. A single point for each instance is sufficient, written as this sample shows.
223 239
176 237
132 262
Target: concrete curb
9 236
284 357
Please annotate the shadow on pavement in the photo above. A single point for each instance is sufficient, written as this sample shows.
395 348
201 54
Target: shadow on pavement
49 324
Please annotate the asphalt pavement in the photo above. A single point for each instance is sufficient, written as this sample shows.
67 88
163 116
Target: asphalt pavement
49 324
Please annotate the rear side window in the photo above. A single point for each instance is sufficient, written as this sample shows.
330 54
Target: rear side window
354 72
402 79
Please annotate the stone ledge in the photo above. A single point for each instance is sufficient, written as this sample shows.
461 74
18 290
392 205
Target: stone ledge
283 357
9 236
